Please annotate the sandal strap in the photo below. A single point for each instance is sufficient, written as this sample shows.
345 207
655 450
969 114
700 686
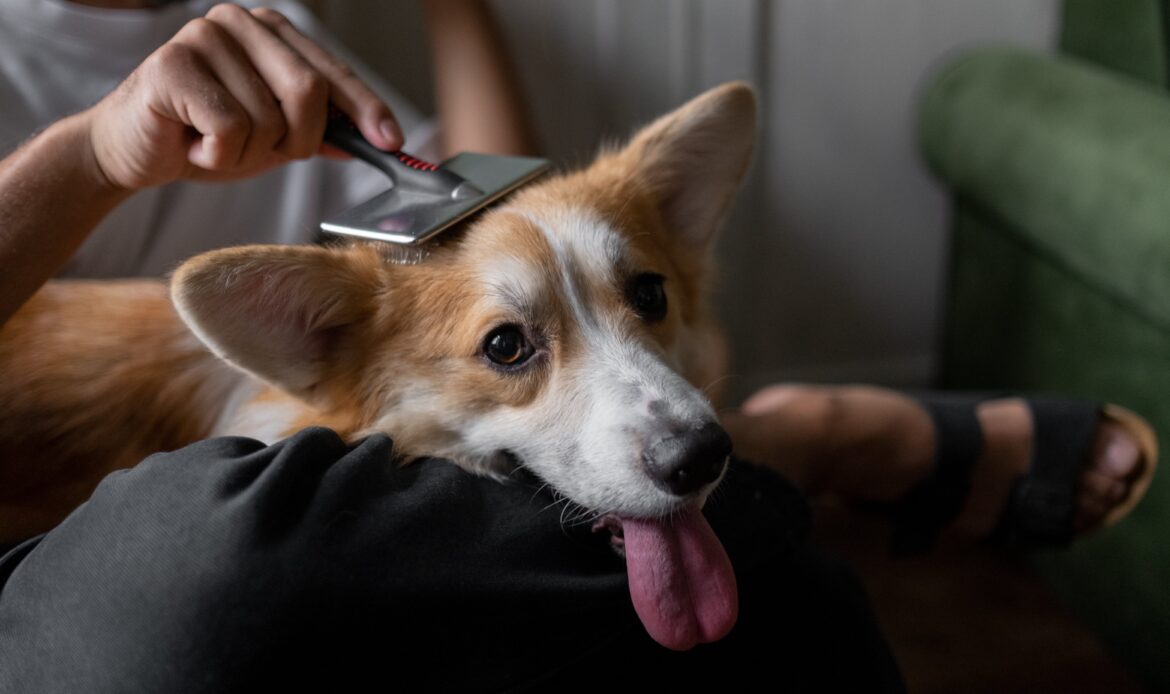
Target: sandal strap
1042 504
934 502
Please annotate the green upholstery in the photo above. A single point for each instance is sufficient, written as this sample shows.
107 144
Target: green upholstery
1127 36
1077 161
1060 281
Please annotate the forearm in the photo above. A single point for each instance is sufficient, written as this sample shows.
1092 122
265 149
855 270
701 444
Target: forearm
52 194
479 102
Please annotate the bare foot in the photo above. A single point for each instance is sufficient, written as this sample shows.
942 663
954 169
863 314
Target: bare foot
874 444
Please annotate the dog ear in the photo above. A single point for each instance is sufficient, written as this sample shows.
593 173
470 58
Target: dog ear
694 159
277 312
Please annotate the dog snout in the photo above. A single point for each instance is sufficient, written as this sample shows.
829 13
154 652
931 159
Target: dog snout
684 462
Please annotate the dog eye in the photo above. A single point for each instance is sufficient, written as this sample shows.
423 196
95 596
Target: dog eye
648 297
507 346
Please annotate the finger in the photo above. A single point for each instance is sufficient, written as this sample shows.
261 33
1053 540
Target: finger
347 91
331 152
300 91
233 68
190 93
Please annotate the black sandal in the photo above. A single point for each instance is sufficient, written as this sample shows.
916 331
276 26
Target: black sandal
1042 503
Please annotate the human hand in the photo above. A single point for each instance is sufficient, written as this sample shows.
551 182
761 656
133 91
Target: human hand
232 94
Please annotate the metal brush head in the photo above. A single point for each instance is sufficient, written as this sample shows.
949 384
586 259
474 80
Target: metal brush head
410 215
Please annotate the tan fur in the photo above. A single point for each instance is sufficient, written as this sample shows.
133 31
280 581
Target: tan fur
97 375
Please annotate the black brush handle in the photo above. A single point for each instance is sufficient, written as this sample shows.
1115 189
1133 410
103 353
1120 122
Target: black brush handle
403 169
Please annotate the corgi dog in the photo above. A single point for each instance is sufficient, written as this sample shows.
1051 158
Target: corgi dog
566 330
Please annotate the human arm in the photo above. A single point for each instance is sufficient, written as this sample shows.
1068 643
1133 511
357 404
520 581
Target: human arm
479 102
229 96
52 194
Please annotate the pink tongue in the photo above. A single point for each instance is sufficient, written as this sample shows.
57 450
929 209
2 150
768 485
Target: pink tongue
681 580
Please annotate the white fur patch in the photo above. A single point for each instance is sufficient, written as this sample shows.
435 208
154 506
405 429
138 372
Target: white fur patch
267 421
513 283
220 385
584 245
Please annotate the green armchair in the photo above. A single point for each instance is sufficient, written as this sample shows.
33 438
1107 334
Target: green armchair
1060 268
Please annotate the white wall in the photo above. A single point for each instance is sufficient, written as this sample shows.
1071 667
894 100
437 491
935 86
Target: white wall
834 261
858 228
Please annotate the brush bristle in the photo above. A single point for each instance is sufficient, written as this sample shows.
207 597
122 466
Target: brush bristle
400 254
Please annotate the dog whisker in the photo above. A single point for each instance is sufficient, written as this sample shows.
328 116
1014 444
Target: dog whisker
538 490
583 516
707 388
558 500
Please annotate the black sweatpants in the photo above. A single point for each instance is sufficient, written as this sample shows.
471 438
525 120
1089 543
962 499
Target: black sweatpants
231 566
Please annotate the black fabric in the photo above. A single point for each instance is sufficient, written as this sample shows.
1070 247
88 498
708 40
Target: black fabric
936 501
1042 504
231 566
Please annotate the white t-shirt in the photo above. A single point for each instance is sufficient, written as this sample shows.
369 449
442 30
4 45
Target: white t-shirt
58 58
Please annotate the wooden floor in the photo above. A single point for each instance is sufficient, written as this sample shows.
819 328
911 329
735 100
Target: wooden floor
969 620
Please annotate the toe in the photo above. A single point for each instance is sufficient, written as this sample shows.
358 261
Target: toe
1116 454
1089 512
1102 488
1105 483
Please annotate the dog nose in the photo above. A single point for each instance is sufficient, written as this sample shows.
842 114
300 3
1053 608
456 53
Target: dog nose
684 462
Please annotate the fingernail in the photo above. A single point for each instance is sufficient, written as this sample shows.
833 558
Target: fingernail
390 132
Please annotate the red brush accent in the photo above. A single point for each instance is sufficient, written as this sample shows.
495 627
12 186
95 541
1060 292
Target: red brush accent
415 163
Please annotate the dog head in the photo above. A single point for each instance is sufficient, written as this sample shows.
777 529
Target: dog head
567 329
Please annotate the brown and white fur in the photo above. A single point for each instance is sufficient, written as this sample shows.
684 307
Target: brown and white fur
264 340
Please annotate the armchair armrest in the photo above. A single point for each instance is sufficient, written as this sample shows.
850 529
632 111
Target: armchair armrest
1074 160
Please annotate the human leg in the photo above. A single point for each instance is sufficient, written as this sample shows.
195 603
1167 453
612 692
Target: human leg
310 563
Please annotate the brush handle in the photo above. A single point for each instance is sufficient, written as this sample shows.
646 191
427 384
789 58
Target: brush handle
403 169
